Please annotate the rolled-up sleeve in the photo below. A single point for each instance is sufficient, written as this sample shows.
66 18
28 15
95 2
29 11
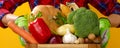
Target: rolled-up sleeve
2 13
106 7
116 9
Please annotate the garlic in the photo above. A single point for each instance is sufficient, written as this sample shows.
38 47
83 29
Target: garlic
69 37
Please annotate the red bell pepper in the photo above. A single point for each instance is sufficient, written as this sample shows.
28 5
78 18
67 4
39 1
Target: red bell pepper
40 30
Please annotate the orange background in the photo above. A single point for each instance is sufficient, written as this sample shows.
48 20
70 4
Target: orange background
8 39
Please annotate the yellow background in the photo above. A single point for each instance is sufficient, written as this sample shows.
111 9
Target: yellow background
9 39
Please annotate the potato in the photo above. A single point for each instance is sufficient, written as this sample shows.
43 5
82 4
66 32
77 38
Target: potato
91 36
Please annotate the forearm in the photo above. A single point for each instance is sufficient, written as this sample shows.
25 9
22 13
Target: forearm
7 18
114 20
6 7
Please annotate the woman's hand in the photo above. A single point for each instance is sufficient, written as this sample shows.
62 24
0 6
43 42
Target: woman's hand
114 20
7 18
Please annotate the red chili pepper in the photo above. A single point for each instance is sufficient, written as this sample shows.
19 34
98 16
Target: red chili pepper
40 30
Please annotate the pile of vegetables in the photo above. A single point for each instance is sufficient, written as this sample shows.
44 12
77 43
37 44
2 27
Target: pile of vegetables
48 24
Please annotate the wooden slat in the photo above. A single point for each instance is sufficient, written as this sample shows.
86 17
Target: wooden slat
92 46
98 46
63 46
31 46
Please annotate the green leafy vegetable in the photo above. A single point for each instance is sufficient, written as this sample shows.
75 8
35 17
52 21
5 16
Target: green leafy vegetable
70 17
22 22
32 17
22 41
38 15
72 14
104 31
85 22
104 24
60 19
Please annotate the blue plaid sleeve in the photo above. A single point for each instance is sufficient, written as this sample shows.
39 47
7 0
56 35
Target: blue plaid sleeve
116 9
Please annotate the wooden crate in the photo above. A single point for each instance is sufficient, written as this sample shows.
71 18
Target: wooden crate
63 46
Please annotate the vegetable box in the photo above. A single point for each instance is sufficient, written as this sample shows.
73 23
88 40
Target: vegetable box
80 29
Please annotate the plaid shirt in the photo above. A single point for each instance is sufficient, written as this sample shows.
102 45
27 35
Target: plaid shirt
106 7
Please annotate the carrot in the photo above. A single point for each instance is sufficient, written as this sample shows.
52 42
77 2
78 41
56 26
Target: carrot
27 36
